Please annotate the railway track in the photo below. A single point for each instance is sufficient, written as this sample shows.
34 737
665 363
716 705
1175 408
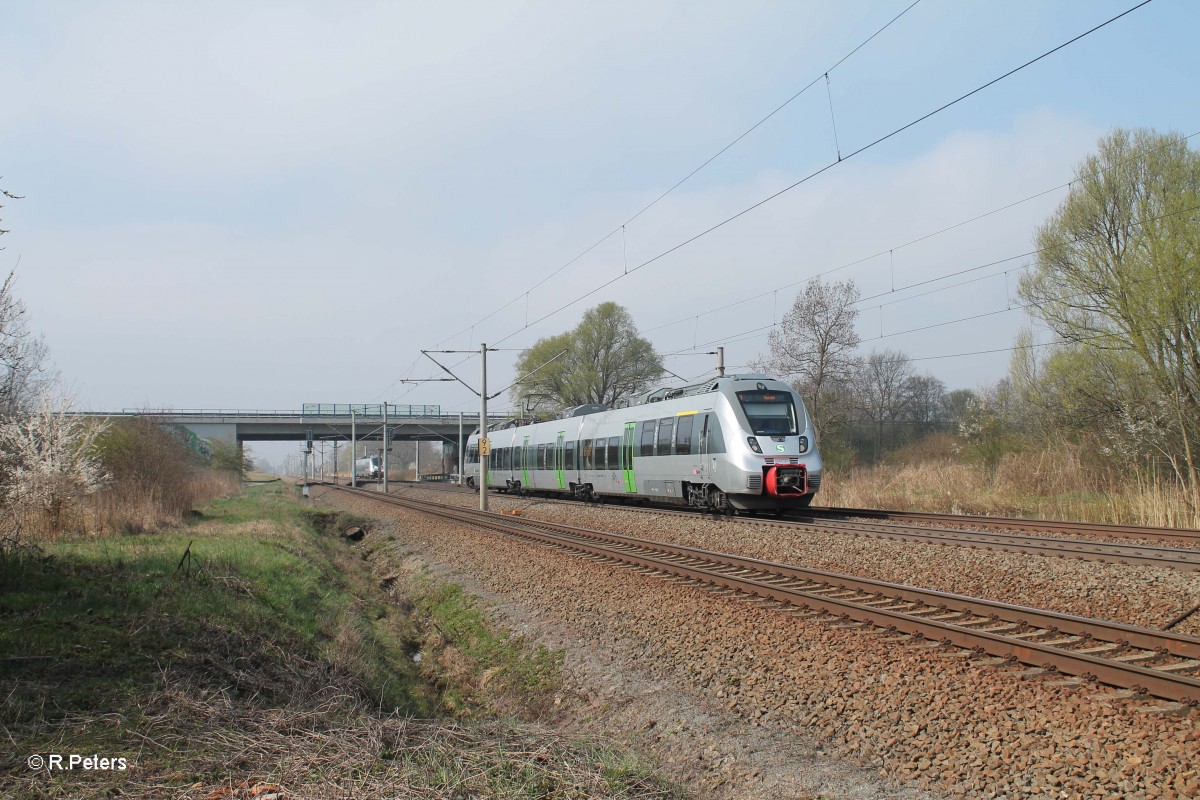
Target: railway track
1088 549
1185 536
1145 661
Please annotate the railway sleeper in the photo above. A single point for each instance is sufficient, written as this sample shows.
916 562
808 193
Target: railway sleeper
1143 657
1104 649
904 608
1031 634
1182 666
1066 641
972 623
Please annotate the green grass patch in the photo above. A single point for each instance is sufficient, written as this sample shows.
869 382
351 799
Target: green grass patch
256 644
247 591
511 665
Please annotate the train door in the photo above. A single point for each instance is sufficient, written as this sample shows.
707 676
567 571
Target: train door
626 457
703 449
525 465
558 460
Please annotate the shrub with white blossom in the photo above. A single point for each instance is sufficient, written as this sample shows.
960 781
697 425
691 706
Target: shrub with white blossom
49 460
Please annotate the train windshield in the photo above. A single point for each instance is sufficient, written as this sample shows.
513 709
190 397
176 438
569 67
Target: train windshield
770 413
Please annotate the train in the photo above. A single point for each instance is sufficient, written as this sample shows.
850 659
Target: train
369 468
741 443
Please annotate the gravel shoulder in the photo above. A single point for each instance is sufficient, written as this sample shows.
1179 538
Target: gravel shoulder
615 686
844 714
1136 595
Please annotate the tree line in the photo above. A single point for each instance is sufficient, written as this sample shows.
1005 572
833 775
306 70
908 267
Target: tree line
1114 285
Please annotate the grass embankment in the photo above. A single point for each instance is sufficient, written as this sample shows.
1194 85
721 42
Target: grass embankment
255 647
1058 483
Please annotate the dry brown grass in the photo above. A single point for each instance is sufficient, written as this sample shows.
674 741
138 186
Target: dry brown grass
1055 482
137 508
279 662
330 746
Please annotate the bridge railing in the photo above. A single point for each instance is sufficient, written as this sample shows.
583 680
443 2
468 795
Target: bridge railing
310 410
370 410
201 412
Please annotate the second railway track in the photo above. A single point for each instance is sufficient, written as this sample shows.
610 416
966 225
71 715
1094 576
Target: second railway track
1147 661
1142 553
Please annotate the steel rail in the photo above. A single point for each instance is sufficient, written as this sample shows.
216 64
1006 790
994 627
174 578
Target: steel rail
1142 659
1108 552
1017 523
1112 552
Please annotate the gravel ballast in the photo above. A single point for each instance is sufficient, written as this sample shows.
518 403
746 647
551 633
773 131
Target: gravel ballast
928 718
1135 595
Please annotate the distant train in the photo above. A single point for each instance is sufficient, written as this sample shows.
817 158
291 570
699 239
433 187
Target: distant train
369 468
743 442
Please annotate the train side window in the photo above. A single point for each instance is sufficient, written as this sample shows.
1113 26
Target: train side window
598 451
473 454
683 435
541 456
505 455
569 455
589 462
614 457
666 431
647 438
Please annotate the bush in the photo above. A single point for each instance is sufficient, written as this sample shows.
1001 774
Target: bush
230 458
156 478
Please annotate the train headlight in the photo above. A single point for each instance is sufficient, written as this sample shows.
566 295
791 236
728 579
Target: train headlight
753 442
803 444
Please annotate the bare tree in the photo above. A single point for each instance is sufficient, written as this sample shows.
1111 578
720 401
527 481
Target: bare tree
22 356
925 394
880 386
814 349
10 196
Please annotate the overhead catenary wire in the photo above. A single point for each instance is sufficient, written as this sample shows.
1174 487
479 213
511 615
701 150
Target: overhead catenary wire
821 170
860 150
685 178
762 330
891 250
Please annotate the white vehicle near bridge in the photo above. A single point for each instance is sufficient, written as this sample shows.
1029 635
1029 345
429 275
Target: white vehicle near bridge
368 468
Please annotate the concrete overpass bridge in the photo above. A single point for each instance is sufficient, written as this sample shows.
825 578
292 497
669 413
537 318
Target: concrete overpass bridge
322 422
316 422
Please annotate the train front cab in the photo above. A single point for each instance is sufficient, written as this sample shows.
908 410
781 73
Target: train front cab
775 451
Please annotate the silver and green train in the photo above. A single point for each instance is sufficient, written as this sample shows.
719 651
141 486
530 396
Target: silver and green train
743 442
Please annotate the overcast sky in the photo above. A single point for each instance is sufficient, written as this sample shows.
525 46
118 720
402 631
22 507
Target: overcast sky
259 205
